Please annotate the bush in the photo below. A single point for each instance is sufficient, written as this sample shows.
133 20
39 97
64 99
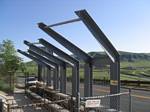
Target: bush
5 87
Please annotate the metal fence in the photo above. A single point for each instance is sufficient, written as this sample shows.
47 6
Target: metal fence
105 106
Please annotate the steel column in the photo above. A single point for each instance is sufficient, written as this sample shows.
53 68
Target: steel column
49 77
111 52
49 73
55 79
39 72
87 79
63 79
114 85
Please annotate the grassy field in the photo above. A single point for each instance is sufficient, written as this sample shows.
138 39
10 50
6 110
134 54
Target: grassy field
138 70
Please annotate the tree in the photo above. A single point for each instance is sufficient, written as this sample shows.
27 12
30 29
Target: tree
9 56
11 62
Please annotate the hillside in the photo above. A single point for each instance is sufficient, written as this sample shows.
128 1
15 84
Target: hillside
134 66
125 56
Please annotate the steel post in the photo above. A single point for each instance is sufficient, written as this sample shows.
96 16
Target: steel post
87 80
63 79
130 100
39 72
115 85
49 77
55 79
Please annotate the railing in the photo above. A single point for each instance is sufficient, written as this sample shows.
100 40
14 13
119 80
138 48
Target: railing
105 105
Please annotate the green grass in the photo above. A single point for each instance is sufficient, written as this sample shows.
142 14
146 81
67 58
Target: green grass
141 71
104 74
140 63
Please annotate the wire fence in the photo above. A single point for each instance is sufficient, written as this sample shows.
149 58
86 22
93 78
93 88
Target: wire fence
106 106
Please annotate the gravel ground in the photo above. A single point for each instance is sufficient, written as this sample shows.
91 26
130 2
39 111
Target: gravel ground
20 99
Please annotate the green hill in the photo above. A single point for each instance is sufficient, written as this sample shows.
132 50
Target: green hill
134 66
125 56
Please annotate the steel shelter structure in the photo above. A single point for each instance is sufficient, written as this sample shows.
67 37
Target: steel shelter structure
59 62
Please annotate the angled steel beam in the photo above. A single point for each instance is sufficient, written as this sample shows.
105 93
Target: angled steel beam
76 51
67 44
111 52
58 51
35 59
61 63
45 53
39 62
98 34
56 82
75 64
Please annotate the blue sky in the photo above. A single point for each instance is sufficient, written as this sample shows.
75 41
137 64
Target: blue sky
125 22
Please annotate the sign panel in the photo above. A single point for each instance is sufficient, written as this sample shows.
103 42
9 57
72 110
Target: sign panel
92 103
113 82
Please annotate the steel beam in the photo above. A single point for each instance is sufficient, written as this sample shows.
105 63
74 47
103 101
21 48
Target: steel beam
45 53
58 51
98 34
58 61
35 59
111 52
74 63
75 50
44 64
56 75
67 44
64 22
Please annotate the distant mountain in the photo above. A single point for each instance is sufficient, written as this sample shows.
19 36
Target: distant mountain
124 56
128 56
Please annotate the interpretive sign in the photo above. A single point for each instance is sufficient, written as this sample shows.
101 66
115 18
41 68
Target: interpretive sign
92 103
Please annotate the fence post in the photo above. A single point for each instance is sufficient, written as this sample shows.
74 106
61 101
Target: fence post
130 100
77 104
